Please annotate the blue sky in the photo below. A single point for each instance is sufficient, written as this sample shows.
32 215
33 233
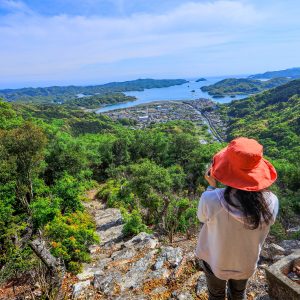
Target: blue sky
94 41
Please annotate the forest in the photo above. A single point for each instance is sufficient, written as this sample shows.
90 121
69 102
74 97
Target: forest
242 86
51 155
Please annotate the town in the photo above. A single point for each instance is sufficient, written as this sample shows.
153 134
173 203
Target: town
201 112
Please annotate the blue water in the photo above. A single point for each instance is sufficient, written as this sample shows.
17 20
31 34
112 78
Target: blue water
176 92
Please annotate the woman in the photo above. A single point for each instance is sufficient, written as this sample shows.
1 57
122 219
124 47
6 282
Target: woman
236 218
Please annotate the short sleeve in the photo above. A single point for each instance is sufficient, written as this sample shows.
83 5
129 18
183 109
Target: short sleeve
202 210
275 208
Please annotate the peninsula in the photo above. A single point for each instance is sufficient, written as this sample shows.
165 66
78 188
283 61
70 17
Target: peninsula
241 86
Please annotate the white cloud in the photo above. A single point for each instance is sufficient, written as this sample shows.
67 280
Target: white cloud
14 6
35 46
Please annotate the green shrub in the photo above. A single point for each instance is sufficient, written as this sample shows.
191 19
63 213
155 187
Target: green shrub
44 210
70 236
68 190
278 231
133 223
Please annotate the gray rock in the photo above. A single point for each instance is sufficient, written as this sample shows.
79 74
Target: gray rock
264 297
159 290
159 263
79 288
106 281
125 253
172 255
185 296
162 273
290 245
201 285
86 274
131 297
276 249
102 263
137 273
278 257
107 218
141 241
113 234
294 229
269 251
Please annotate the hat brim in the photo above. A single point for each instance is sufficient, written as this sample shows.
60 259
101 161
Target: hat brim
255 179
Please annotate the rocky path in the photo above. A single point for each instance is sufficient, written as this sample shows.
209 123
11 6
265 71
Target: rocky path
145 268
138 268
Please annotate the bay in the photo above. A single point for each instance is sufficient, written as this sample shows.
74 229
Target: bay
188 91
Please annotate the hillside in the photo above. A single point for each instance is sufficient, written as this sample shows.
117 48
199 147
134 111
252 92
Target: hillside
273 118
291 73
241 86
64 93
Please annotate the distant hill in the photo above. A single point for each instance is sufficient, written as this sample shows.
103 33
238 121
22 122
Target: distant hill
290 73
241 86
62 94
96 101
272 117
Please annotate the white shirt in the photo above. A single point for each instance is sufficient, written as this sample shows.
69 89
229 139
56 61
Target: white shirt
231 250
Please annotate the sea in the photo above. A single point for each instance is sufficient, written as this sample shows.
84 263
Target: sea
188 91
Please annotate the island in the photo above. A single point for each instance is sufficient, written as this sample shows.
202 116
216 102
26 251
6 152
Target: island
201 79
62 94
241 86
96 101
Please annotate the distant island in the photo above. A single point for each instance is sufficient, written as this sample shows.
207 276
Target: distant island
201 79
293 73
97 101
63 94
242 86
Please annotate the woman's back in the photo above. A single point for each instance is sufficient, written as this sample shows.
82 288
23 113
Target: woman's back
225 241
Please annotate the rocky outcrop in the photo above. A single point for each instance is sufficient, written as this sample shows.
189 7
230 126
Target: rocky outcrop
124 269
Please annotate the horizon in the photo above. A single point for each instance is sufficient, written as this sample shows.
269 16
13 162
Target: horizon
38 85
77 42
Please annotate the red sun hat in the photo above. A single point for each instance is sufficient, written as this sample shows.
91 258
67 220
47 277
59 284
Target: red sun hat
241 165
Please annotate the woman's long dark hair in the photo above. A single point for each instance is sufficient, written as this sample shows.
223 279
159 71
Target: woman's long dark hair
252 204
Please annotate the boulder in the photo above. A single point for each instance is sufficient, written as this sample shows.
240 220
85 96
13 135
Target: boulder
125 253
172 255
137 273
107 218
111 235
80 288
141 241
